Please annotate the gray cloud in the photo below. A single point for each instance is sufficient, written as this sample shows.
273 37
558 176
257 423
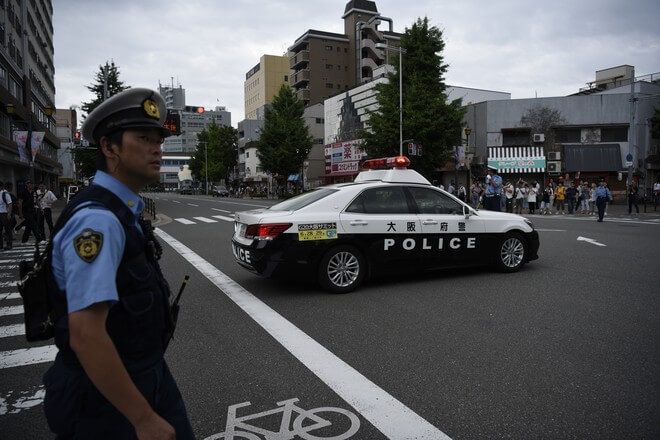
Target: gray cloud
517 46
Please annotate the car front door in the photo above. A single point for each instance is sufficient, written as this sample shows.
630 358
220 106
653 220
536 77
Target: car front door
381 220
448 238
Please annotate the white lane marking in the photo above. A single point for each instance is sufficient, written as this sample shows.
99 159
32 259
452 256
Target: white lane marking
225 218
192 204
388 415
175 201
9 295
11 404
185 221
11 310
27 356
220 210
7 283
9 266
12 330
214 201
550 230
205 220
590 240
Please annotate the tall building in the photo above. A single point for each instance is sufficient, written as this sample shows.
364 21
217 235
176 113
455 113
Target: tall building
66 121
175 97
263 81
27 93
324 64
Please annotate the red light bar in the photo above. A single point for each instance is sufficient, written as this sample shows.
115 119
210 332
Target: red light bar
386 162
266 231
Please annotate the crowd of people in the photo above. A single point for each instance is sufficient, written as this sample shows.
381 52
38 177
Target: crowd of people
29 210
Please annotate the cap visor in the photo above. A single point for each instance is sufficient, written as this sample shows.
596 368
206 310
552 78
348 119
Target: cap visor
147 125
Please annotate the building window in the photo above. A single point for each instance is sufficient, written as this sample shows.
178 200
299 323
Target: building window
328 47
338 67
614 134
328 66
320 120
567 135
247 154
339 86
513 138
4 125
345 50
286 78
338 49
329 85
318 141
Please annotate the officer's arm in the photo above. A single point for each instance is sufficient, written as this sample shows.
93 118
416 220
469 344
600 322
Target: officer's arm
98 356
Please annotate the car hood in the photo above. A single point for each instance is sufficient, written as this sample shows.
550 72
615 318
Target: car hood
499 215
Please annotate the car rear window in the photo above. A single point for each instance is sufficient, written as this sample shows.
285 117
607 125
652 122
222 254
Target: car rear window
303 200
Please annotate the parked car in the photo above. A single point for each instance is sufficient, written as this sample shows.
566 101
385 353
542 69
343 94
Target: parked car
219 191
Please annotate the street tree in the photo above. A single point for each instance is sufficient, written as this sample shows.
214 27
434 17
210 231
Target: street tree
86 159
284 141
542 120
219 144
428 117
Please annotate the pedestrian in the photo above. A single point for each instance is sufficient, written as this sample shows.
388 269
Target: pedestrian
462 193
27 213
47 198
521 194
109 379
603 195
656 193
452 188
509 193
14 201
584 199
560 197
476 191
531 198
493 195
546 204
633 192
6 229
592 199
571 194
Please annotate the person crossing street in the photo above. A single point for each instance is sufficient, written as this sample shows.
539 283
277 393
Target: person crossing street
603 195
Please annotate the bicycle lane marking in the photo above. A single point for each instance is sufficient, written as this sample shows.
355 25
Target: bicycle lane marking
382 410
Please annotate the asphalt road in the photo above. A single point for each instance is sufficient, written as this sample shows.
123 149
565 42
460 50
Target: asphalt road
566 348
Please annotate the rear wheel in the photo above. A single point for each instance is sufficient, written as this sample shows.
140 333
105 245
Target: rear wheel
511 253
342 269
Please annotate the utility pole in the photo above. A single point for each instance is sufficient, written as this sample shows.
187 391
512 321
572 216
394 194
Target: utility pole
631 129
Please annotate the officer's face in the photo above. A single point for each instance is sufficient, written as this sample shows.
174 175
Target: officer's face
141 154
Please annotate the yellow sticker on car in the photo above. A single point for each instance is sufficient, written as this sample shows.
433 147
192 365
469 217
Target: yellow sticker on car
317 231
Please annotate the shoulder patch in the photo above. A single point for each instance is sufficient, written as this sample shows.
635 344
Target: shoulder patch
88 244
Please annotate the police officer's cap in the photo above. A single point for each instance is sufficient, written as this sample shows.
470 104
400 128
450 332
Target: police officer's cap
132 108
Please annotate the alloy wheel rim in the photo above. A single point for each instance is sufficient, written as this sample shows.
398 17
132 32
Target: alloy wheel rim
512 252
343 269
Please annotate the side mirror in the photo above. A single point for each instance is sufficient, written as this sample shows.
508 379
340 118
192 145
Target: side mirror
466 212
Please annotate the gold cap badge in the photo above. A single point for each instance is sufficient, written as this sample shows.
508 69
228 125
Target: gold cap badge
151 108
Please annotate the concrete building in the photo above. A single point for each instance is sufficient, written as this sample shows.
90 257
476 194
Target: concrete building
324 64
591 138
175 97
66 121
27 93
249 167
263 81
313 174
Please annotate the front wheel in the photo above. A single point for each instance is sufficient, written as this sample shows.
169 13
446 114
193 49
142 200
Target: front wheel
511 253
342 269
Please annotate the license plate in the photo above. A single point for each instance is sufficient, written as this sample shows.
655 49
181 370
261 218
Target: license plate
241 254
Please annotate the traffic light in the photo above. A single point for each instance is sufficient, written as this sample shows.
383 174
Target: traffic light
173 123
194 109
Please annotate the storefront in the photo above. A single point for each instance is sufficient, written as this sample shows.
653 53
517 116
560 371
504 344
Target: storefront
518 163
342 161
592 162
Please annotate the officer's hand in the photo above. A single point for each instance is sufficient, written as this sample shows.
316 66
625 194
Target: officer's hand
154 427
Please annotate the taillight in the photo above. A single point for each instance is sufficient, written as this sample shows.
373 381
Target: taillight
266 231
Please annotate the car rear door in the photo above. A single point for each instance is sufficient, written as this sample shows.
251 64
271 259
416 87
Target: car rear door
382 222
448 238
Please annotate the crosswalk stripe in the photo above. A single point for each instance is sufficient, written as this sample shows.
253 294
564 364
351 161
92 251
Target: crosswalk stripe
175 201
205 220
225 218
12 330
27 356
7 283
9 295
11 310
185 221
221 210
192 204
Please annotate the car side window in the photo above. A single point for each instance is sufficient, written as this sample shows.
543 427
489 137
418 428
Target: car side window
430 201
383 200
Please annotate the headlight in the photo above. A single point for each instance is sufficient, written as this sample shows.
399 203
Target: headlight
529 222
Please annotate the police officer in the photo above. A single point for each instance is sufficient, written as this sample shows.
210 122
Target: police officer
109 379
603 195
492 197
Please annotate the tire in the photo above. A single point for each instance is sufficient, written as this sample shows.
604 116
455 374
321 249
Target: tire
342 269
511 253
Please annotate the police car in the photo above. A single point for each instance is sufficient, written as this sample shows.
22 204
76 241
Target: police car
386 220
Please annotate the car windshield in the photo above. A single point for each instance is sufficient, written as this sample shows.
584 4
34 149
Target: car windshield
303 200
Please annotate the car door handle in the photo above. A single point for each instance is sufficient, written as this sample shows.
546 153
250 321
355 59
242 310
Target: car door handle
430 222
358 223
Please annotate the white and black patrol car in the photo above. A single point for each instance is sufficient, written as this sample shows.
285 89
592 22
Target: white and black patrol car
386 220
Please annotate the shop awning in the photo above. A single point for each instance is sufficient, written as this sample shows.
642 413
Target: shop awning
517 159
293 178
592 157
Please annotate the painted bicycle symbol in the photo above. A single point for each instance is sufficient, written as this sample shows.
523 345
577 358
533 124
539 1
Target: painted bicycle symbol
305 423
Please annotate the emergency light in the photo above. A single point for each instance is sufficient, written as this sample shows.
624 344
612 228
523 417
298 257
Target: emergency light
400 162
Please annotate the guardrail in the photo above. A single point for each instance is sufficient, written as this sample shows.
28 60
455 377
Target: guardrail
149 206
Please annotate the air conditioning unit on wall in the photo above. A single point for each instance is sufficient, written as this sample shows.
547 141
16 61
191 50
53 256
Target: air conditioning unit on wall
554 155
539 137
553 167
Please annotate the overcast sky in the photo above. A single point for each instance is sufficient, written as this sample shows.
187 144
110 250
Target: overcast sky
522 47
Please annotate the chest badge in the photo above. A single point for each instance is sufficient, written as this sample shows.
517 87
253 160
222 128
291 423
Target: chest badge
88 244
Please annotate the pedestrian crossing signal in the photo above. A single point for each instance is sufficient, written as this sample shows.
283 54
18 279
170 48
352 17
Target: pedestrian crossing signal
173 123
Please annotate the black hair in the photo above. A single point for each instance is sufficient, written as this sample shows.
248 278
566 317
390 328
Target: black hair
115 139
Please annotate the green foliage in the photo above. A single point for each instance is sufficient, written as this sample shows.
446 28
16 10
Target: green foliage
542 120
284 141
427 116
86 159
220 143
